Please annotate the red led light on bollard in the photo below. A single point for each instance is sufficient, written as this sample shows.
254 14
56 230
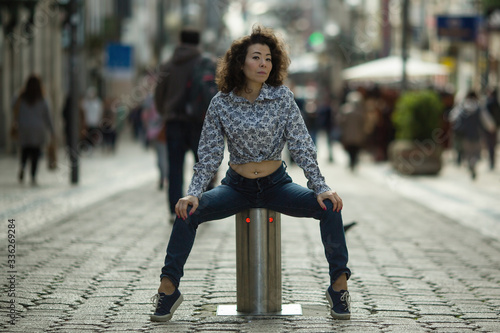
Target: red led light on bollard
271 220
248 220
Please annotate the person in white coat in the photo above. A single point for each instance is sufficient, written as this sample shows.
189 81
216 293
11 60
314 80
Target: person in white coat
93 110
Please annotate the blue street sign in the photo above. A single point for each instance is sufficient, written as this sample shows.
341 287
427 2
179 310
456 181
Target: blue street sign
119 57
458 28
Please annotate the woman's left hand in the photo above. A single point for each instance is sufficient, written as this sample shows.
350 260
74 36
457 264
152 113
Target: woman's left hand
333 197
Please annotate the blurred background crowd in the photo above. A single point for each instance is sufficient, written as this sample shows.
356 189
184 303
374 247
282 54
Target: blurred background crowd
365 73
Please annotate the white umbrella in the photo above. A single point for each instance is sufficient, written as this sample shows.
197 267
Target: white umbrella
391 68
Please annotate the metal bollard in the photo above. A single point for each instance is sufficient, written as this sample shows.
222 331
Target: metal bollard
258 266
258 261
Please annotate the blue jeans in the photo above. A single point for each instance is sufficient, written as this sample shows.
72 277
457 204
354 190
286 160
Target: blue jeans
276 192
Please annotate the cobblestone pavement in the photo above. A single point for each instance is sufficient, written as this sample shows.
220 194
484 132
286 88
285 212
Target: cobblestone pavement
100 175
94 266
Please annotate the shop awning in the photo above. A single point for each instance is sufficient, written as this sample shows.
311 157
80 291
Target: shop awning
391 68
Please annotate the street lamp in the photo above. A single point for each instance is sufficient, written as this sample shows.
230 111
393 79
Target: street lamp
73 119
404 43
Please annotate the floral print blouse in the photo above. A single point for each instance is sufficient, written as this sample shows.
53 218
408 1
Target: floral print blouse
255 132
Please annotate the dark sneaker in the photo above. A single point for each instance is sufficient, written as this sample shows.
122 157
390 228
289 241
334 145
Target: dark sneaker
340 303
165 305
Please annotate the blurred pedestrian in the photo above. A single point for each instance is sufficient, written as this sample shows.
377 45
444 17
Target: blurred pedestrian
469 119
306 106
135 120
326 123
257 115
179 78
156 137
373 105
108 126
448 100
493 107
93 110
33 120
66 119
385 128
351 121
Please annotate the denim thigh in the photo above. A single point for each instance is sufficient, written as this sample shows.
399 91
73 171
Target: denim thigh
237 193
218 203
292 199
276 192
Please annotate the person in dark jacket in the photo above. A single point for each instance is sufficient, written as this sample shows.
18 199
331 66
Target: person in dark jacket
33 120
493 107
170 97
469 119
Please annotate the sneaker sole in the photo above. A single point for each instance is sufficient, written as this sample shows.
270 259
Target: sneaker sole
334 314
167 317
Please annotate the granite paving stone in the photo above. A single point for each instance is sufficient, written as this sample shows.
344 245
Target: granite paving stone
93 265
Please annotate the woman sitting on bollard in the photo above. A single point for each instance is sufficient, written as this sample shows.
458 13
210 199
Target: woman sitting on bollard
257 115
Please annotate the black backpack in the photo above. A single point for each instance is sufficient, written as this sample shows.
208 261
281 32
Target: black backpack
201 88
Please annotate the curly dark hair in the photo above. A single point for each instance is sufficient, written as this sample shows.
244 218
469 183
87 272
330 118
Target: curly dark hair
229 68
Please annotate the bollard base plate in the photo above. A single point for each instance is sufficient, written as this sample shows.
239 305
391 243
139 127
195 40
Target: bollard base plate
286 310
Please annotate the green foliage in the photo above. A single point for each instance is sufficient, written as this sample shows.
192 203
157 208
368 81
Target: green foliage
417 115
490 4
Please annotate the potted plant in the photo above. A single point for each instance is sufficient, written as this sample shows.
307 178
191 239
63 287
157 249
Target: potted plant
417 120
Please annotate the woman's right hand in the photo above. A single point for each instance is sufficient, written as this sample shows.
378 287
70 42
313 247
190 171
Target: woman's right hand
182 206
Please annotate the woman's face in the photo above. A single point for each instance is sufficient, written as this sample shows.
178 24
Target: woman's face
258 64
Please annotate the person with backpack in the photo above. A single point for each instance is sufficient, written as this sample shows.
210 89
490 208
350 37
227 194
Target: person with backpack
493 107
469 119
185 86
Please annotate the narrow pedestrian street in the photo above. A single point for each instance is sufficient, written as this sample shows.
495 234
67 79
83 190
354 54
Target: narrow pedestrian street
98 98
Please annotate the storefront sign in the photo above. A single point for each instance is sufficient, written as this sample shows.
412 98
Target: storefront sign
458 28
